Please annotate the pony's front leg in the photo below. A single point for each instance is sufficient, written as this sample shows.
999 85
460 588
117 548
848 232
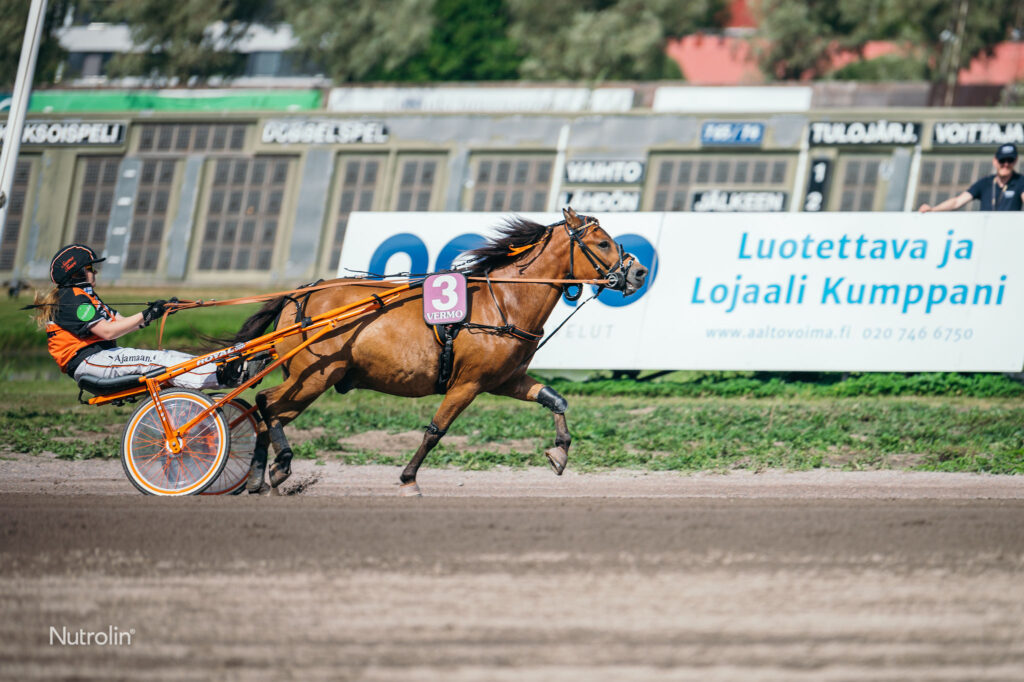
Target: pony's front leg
455 401
526 388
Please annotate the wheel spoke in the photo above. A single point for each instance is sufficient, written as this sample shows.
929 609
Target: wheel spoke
197 474
148 460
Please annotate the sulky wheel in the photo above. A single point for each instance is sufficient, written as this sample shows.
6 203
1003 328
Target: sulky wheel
242 424
149 463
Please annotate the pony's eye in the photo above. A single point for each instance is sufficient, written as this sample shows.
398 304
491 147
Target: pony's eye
602 245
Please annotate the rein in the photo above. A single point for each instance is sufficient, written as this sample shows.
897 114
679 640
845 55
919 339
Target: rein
612 275
174 307
186 305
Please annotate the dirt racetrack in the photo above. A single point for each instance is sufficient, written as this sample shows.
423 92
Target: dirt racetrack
515 575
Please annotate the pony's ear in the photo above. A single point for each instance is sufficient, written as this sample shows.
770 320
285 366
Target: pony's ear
571 219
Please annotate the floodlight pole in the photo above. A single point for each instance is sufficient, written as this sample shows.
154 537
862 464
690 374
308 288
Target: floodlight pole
956 50
19 104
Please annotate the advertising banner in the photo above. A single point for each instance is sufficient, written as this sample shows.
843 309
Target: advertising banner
737 201
863 133
323 131
479 99
731 133
71 132
600 201
610 171
186 100
787 292
976 133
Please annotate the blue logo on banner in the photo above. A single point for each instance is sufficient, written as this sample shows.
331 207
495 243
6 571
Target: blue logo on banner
405 243
419 260
731 133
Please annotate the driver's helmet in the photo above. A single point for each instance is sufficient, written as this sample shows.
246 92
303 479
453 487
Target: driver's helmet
66 266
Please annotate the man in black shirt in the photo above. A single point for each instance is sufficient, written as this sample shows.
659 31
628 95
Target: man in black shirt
999 192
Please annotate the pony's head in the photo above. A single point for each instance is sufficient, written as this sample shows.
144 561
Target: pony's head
601 258
592 253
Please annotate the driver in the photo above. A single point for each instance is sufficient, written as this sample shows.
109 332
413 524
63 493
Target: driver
81 328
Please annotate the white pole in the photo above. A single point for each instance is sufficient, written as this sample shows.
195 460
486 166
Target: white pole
19 103
558 170
797 203
915 177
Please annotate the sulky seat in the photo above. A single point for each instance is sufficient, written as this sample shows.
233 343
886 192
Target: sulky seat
108 385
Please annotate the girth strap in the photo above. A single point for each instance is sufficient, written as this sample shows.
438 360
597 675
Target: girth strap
445 335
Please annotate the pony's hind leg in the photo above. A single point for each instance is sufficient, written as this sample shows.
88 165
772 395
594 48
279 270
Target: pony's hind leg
258 464
281 469
455 401
280 405
526 388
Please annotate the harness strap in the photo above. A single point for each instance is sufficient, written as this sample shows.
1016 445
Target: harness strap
301 302
567 318
446 359
495 299
506 327
445 335
507 330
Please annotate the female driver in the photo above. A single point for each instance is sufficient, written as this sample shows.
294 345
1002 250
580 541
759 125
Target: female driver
81 329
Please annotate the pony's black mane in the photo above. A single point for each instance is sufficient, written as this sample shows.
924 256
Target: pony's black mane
517 231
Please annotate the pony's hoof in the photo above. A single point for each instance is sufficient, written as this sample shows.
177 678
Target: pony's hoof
410 489
279 474
254 481
558 458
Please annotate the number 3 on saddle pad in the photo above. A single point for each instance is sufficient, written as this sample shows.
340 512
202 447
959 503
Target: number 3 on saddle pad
444 298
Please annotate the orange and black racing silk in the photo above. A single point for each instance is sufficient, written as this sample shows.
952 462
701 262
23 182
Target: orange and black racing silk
69 333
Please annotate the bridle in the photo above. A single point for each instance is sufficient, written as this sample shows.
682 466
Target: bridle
616 274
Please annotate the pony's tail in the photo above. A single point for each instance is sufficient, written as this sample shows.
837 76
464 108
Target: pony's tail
251 328
261 319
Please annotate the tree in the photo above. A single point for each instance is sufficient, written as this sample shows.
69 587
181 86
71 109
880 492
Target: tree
359 40
932 26
605 39
403 40
800 38
13 17
469 42
185 38
416 40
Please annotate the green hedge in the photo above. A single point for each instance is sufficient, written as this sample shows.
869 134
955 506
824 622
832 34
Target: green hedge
768 384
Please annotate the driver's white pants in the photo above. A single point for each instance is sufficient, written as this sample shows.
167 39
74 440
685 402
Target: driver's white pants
119 362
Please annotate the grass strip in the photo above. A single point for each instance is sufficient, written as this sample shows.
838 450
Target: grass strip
661 433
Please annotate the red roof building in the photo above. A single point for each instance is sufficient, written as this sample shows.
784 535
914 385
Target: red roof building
727 58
